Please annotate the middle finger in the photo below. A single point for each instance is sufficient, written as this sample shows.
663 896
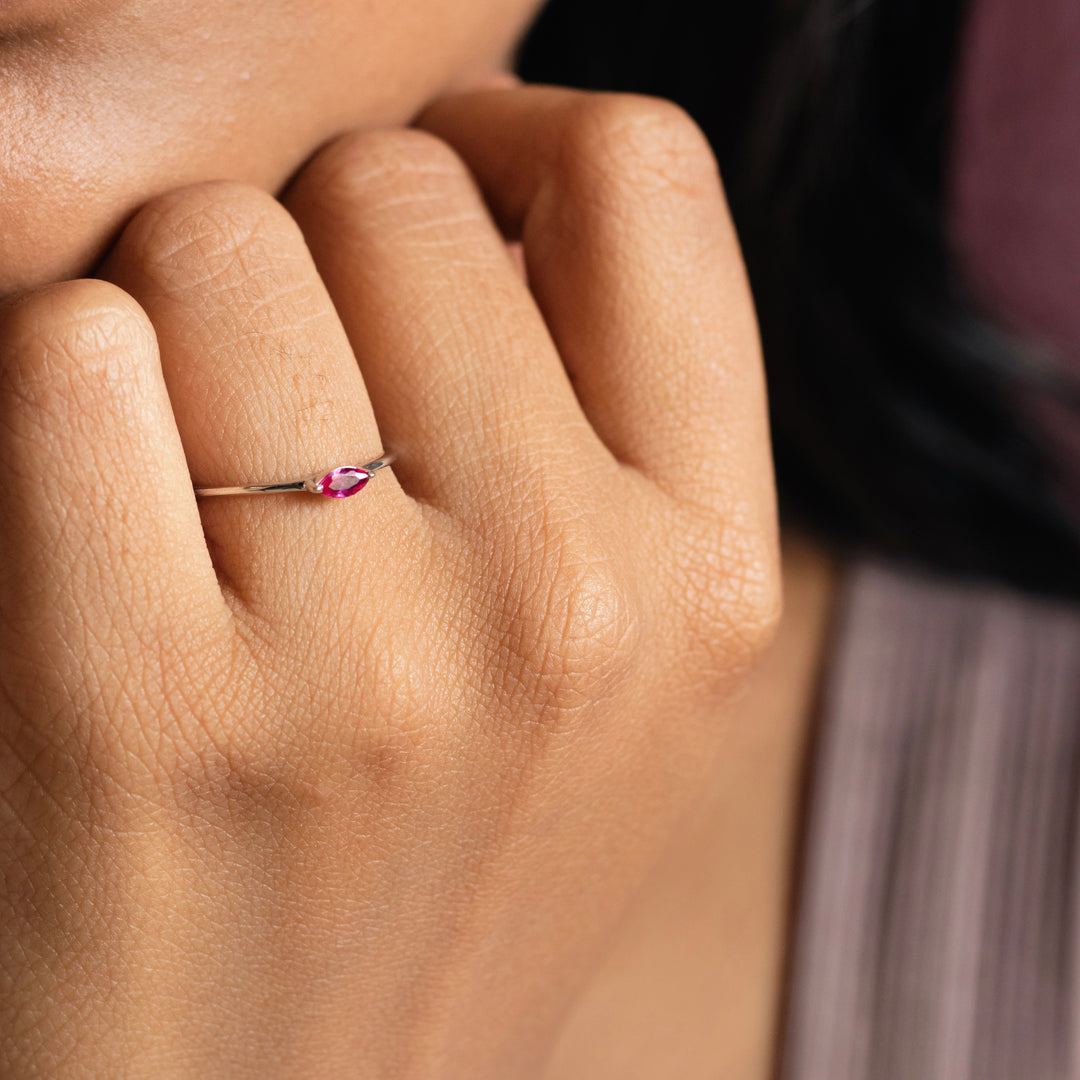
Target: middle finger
461 368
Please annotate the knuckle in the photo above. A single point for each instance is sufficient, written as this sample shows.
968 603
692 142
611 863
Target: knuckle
296 750
729 589
406 188
240 786
366 166
74 317
204 231
572 629
754 592
63 344
616 144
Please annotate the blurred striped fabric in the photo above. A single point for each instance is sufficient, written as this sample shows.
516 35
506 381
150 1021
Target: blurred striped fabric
938 929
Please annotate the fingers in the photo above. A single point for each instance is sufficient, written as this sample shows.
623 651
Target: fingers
264 385
103 551
643 339
633 260
461 369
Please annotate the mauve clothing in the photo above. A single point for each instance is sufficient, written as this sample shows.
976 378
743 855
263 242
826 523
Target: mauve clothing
938 930
938 926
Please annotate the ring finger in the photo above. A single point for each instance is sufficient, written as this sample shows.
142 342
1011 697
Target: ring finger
263 383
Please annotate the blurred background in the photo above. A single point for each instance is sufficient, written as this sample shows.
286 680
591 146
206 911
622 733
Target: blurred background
904 178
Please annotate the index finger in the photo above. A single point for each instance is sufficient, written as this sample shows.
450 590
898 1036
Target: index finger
634 262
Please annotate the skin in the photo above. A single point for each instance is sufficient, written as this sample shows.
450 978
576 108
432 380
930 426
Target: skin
693 984
271 765
107 103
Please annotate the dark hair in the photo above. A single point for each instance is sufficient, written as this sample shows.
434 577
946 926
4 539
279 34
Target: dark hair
892 400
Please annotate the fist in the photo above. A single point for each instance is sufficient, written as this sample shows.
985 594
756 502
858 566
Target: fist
297 786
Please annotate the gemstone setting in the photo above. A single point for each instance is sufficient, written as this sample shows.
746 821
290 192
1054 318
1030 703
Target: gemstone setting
342 482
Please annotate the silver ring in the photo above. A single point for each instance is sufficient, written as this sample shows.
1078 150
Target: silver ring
337 483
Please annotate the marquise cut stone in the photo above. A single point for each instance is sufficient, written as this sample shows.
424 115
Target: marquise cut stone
342 482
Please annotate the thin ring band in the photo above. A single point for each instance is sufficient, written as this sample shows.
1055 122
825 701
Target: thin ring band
338 483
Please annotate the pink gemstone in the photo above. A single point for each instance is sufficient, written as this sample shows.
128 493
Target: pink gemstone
342 482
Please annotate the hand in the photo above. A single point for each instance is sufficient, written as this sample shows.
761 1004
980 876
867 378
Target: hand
359 788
